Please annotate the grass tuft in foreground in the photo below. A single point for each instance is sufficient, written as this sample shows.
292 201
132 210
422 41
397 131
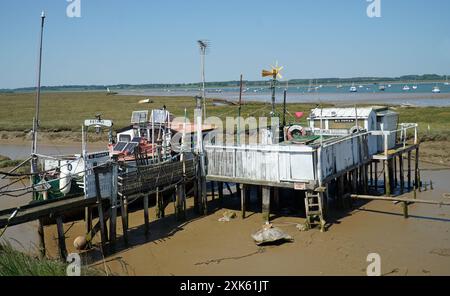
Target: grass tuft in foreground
15 263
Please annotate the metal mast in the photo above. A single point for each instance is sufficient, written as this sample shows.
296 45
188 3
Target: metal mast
204 44
38 98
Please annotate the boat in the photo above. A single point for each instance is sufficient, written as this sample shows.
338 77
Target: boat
436 90
446 81
382 88
414 87
406 88
353 89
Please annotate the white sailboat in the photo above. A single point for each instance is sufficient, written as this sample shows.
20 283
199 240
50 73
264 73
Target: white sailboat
406 88
436 89
446 80
353 88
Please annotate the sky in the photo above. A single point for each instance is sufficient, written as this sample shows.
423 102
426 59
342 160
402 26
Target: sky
137 41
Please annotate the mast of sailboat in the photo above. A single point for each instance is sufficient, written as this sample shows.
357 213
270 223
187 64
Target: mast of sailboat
38 98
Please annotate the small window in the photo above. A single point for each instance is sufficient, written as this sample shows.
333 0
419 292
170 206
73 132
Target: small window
124 138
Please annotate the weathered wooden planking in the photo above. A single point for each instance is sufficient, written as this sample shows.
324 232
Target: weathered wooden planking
43 209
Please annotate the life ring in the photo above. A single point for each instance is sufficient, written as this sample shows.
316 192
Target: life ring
356 129
295 130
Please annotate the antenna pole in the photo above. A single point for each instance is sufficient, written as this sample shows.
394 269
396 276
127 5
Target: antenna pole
284 107
239 112
274 81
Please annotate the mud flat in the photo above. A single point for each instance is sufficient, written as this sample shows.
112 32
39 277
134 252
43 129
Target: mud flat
203 246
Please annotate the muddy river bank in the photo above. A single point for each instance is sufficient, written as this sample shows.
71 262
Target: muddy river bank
419 245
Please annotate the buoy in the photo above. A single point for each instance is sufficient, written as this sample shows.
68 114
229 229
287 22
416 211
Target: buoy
80 243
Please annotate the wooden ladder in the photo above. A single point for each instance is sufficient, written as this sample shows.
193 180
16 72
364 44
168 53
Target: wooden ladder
314 209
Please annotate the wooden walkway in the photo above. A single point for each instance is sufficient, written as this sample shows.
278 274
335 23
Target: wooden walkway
44 209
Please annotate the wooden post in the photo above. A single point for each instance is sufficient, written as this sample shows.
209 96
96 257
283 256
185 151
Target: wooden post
371 173
204 196
101 216
405 210
409 170
124 216
402 176
196 195
88 218
387 180
276 198
394 159
159 205
220 189
213 197
41 235
341 192
355 181
146 215
243 199
180 202
416 170
113 208
61 239
376 175
266 203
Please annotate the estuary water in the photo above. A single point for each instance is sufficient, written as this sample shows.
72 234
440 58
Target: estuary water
366 94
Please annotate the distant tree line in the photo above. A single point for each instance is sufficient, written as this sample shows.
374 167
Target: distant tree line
234 83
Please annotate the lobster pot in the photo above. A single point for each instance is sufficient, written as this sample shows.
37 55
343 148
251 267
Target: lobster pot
105 179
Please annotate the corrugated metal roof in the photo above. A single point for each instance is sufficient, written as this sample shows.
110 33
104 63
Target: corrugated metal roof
340 112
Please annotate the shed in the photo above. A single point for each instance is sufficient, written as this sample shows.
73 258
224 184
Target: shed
345 121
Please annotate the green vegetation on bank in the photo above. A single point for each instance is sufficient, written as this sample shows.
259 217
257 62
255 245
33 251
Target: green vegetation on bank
15 263
65 112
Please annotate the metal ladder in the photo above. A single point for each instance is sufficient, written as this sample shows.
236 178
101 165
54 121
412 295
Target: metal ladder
314 209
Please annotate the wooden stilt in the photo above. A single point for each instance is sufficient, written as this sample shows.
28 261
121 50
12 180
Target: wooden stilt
341 192
394 159
220 189
387 180
113 225
243 199
409 170
266 203
405 210
371 173
101 216
355 181
213 197
41 235
146 215
88 219
204 196
276 198
376 175
61 239
416 170
124 217
401 173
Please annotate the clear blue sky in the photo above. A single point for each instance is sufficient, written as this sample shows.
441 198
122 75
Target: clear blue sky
136 41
